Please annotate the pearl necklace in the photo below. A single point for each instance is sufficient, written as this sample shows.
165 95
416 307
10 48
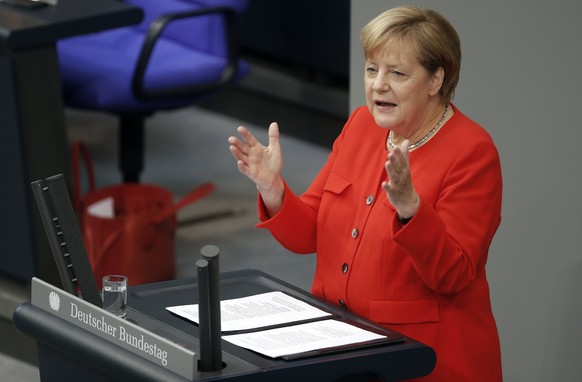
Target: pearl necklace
427 136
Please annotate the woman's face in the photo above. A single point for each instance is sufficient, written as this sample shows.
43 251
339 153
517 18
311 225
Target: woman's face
399 90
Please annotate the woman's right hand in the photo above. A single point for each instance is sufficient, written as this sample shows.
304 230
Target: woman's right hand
261 164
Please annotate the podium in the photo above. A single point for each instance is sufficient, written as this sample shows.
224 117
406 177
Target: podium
69 350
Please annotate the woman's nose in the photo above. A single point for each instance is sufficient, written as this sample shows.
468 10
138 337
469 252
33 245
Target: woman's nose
380 83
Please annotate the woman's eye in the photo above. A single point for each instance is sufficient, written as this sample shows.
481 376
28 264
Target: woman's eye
371 69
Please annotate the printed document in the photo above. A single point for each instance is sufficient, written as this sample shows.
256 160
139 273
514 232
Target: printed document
258 311
303 339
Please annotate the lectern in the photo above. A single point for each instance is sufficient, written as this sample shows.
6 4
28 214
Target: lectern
79 340
66 349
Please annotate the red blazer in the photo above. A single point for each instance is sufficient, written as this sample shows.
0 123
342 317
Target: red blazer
426 279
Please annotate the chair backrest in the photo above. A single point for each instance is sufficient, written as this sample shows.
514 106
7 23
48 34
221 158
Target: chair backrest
204 33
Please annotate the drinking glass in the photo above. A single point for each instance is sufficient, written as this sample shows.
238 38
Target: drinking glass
115 294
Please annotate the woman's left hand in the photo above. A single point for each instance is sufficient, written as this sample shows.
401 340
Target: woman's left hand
399 187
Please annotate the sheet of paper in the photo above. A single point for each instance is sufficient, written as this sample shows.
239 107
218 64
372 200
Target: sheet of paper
302 338
258 311
102 208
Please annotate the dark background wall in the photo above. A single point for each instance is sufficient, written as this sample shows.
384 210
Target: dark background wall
299 53
306 36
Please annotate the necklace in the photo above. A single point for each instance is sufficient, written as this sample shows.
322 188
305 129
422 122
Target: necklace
427 136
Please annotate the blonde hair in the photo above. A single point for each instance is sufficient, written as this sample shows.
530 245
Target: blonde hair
431 37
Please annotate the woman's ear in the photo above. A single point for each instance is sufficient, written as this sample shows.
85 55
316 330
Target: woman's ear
437 81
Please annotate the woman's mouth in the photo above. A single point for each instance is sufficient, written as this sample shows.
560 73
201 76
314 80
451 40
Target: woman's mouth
384 104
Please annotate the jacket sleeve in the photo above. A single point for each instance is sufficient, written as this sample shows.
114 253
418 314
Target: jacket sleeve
295 225
448 242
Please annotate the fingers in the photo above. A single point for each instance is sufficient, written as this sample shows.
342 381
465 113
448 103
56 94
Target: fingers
249 142
398 169
399 156
399 187
237 154
242 167
274 135
242 148
247 136
254 159
237 148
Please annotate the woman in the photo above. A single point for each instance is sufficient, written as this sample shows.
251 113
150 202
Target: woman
403 213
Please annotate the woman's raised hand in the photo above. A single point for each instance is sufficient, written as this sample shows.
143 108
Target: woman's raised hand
399 187
261 164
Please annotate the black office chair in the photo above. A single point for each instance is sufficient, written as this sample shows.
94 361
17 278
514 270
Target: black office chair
184 50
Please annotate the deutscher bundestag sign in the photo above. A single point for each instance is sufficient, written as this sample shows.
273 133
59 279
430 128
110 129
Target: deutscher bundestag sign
112 328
